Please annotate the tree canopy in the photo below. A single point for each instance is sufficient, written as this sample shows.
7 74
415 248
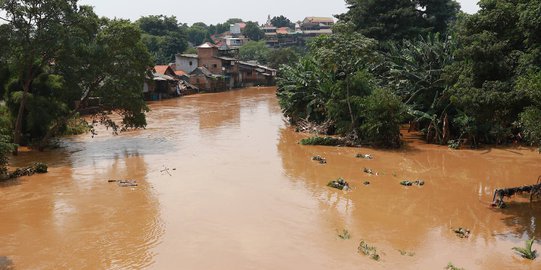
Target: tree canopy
253 32
282 21
163 36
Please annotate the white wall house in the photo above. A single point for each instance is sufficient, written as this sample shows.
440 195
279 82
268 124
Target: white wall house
186 62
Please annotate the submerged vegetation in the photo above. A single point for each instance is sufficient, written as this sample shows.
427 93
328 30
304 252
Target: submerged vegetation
327 141
527 252
369 251
459 79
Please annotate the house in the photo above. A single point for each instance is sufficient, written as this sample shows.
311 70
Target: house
317 23
253 74
186 62
236 29
205 80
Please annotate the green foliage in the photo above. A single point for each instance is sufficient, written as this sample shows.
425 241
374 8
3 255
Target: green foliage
303 90
198 34
526 252
282 56
282 21
327 141
384 112
530 122
253 32
400 19
163 36
254 50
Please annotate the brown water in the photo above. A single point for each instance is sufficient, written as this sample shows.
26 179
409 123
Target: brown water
240 193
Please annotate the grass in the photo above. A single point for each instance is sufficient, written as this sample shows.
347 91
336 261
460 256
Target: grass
326 141
344 235
368 250
526 252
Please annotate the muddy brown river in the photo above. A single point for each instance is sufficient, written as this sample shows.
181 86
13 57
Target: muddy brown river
224 184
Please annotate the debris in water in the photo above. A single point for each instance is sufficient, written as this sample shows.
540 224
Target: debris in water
408 183
6 263
320 159
124 183
345 235
369 171
30 170
406 253
462 233
368 250
500 194
366 183
365 156
340 183
165 170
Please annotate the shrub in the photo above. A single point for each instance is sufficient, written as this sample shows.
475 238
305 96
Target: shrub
328 141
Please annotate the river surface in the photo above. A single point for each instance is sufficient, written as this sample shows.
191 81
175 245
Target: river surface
224 184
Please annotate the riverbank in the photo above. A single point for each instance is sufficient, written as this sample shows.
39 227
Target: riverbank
246 195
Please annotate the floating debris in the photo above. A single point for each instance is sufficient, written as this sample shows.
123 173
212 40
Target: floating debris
365 156
406 253
340 183
6 263
369 171
462 232
345 235
30 170
500 194
320 159
124 183
408 183
368 250
366 183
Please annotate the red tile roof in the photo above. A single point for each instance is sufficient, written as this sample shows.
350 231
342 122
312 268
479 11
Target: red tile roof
161 69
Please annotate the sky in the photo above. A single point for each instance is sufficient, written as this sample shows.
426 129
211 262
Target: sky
218 11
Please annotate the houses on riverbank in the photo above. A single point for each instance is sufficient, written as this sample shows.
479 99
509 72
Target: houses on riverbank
216 67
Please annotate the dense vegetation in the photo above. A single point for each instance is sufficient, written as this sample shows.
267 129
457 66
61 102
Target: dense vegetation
458 78
58 58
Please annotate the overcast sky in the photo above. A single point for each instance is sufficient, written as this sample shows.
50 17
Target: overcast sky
218 11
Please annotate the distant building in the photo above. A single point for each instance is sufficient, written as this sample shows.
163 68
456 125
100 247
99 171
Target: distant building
317 23
236 29
218 69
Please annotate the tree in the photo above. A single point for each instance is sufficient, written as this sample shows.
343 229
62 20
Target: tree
254 50
253 32
163 36
197 35
282 21
282 56
38 29
400 19
117 61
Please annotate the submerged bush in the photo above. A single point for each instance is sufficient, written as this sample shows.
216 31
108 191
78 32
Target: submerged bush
384 112
327 141
526 252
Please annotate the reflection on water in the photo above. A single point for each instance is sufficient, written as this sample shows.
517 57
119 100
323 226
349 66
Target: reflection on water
223 184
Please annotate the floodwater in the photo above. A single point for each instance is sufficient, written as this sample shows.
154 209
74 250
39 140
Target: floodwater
224 184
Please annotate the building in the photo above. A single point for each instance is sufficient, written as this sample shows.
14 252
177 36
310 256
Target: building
219 69
317 23
186 62
236 29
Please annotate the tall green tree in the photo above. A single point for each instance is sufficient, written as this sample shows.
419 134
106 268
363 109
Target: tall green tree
254 50
38 29
282 21
253 32
400 19
163 36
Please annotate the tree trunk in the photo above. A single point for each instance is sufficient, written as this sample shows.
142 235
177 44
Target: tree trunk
17 133
349 105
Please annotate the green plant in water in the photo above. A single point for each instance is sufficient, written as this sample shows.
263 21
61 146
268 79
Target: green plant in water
526 252
450 266
454 144
368 250
327 141
344 235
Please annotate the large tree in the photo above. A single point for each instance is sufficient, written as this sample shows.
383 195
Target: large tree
253 32
282 21
37 30
400 19
164 37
